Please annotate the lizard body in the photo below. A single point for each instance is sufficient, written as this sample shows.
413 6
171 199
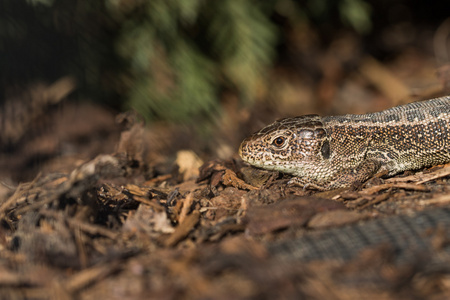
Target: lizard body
338 151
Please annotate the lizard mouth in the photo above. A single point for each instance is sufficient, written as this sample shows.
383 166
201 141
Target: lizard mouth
240 150
244 151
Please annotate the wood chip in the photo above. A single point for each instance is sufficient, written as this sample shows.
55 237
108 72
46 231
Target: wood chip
183 229
88 276
420 178
335 218
84 226
230 178
187 203
376 200
398 185
296 211
188 163
440 199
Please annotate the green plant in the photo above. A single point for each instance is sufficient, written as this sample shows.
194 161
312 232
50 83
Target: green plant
182 52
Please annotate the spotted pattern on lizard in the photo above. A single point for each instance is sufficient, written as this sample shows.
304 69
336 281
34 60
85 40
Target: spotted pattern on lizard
340 151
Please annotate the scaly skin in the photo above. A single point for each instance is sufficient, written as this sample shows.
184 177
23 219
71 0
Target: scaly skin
339 151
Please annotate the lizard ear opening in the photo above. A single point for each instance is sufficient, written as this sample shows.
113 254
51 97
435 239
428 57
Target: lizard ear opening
325 150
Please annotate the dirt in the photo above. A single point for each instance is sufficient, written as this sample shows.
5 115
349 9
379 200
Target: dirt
106 221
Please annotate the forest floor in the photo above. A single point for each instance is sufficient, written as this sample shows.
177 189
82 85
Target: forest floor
99 206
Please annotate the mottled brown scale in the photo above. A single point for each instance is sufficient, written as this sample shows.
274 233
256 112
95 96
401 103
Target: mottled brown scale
339 151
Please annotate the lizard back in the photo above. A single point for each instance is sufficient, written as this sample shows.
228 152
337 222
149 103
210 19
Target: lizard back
403 138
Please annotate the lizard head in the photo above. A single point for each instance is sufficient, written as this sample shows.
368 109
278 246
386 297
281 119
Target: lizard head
288 145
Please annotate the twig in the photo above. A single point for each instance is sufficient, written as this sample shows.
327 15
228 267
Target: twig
186 207
86 227
183 229
400 185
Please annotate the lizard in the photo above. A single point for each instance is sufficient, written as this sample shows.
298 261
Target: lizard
342 151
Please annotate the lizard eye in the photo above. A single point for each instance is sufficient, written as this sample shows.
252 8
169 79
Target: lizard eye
279 141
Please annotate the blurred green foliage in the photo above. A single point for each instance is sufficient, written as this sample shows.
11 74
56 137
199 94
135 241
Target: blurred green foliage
354 13
171 59
182 52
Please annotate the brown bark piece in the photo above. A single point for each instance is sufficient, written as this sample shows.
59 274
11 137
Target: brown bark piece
230 178
183 229
292 212
335 218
